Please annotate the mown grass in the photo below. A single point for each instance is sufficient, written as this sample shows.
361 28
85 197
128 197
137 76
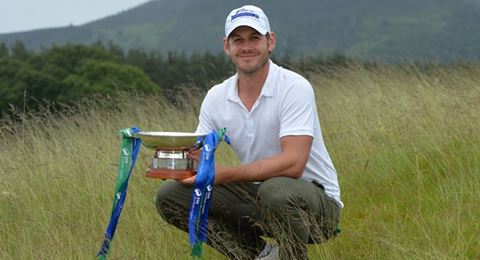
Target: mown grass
405 142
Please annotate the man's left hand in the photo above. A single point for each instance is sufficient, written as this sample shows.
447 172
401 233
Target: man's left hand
220 176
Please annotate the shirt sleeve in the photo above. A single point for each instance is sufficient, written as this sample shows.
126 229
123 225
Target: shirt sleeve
205 124
297 111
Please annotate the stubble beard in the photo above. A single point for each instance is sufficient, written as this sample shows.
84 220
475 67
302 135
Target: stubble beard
252 70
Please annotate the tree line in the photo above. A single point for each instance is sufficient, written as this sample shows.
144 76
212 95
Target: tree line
62 74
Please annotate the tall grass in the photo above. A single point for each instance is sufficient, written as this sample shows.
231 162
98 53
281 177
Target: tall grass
405 142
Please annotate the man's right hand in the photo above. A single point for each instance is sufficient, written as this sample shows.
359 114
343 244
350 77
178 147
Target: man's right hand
194 154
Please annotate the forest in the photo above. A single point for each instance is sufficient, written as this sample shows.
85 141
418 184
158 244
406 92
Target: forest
68 73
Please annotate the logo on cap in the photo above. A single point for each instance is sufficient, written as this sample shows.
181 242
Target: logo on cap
247 15
244 14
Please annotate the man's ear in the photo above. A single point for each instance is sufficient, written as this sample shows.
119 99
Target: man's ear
272 41
226 46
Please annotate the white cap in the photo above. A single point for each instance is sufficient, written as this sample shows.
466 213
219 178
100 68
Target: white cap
247 15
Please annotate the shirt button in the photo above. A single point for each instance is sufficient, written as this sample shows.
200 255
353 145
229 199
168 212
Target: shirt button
250 128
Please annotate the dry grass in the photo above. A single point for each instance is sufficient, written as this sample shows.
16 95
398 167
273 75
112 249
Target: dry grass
405 142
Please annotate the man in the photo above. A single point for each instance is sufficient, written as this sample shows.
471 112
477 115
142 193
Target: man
286 186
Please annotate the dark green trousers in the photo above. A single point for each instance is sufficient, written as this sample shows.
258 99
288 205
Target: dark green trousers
294 212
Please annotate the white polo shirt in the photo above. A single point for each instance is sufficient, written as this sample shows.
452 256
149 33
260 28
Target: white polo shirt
286 106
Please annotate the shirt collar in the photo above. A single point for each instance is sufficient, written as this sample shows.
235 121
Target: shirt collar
267 89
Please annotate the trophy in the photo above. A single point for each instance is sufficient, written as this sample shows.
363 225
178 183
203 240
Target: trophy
170 160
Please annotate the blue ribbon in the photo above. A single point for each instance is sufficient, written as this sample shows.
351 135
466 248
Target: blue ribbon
201 196
202 192
121 186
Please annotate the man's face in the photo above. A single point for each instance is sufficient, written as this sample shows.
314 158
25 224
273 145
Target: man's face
248 49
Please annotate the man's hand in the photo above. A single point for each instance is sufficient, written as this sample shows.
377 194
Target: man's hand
191 155
220 172
289 162
194 154
188 181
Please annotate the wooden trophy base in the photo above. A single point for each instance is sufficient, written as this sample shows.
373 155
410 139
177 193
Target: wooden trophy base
170 174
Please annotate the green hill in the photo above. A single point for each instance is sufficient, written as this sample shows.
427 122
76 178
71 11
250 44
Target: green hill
371 29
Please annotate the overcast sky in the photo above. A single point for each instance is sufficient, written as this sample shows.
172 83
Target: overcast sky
24 15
